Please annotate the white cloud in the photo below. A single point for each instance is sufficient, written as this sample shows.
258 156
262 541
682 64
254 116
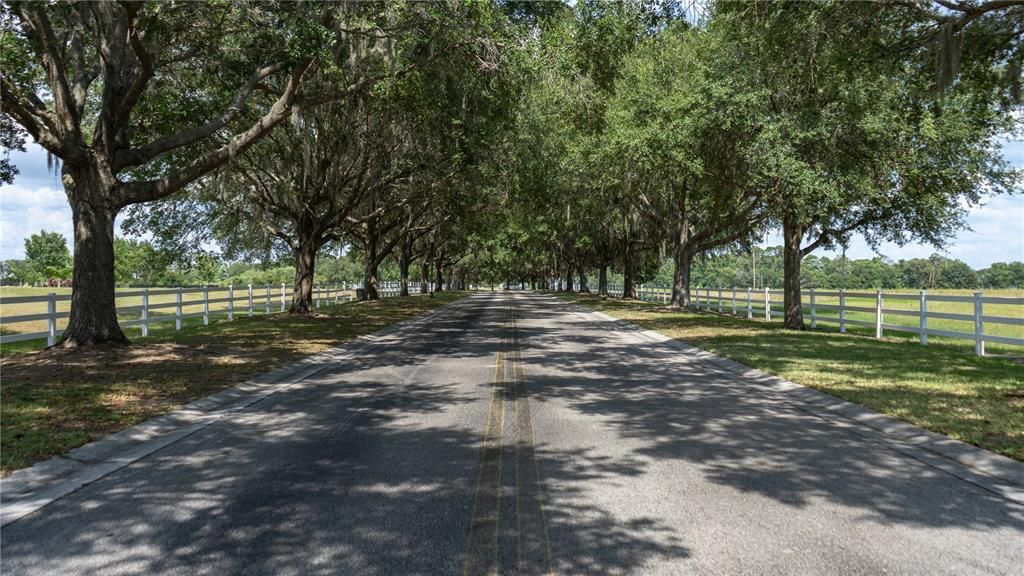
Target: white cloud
25 211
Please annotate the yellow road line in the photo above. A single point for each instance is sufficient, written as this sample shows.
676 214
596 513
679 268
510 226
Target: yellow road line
481 556
534 545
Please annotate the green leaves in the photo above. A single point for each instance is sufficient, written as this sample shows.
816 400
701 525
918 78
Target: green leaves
47 255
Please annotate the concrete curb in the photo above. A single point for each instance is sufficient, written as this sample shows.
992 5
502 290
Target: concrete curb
27 490
993 472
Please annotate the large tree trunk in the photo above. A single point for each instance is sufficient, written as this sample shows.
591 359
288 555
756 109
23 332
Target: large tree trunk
628 275
681 279
583 279
305 263
424 277
568 277
602 280
404 261
628 281
93 317
683 258
370 279
628 266
439 278
792 233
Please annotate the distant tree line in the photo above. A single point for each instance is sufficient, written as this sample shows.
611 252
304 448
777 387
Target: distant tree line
764 268
142 263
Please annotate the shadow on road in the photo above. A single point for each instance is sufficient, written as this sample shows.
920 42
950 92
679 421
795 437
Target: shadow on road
367 469
740 436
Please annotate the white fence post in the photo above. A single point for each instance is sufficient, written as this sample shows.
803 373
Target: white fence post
266 307
750 306
177 309
206 305
842 310
231 302
878 314
923 325
51 322
145 312
317 289
250 299
767 305
282 296
979 326
733 300
814 311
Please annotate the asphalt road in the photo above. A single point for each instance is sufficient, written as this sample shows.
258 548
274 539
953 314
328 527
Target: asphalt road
516 435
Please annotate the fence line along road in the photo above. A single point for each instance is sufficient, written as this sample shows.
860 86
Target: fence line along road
758 303
249 300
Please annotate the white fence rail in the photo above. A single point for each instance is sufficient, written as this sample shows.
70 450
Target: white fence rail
766 303
229 300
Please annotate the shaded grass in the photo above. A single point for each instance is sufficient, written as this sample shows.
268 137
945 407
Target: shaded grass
940 387
56 400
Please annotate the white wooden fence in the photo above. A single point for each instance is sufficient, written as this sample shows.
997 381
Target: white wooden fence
248 300
764 303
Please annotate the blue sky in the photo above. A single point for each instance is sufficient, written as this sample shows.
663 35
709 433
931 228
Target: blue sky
36 202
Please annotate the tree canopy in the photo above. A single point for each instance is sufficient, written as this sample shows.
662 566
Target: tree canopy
531 142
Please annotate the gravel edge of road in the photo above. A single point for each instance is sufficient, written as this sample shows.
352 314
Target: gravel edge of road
30 489
993 472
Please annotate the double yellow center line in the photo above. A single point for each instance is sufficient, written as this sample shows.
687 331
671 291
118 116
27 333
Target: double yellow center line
534 550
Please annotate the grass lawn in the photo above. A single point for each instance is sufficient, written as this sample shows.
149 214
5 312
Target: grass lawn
56 400
941 387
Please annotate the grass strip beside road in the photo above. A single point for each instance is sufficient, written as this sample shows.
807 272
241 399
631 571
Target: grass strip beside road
940 387
52 401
